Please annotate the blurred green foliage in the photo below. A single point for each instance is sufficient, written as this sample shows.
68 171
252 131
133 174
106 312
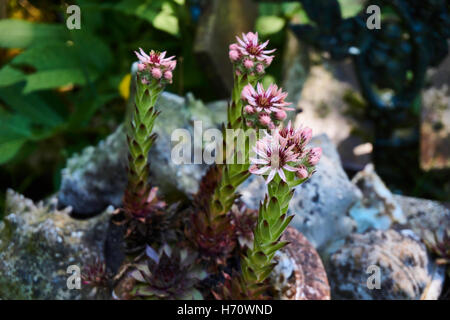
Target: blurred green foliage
59 88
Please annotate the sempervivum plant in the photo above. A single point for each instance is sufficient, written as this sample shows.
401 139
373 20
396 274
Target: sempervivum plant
95 274
160 224
213 236
167 274
235 288
265 108
286 161
249 59
154 72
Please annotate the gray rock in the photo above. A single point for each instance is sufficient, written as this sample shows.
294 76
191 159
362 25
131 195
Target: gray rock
378 208
321 204
97 177
425 218
406 271
37 245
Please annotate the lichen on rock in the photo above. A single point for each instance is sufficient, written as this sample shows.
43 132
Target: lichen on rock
37 245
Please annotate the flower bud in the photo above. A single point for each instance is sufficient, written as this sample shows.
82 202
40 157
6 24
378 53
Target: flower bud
156 73
306 135
259 68
314 155
248 64
264 119
234 55
249 109
302 173
280 115
168 75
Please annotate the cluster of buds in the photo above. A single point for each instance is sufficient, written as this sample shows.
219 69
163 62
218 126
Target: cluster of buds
249 56
286 150
264 108
155 66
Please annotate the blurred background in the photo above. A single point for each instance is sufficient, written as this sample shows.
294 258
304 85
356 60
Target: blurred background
62 90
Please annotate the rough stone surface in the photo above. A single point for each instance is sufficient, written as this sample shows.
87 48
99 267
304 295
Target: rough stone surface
322 104
37 245
406 271
378 208
97 178
424 217
435 128
321 204
299 274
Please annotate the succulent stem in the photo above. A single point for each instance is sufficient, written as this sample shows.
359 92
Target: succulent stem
140 140
272 222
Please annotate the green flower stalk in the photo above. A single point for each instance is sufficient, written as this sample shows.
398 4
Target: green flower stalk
249 59
286 161
154 72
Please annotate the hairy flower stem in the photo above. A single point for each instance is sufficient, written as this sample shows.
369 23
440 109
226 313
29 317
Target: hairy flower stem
272 222
140 140
233 174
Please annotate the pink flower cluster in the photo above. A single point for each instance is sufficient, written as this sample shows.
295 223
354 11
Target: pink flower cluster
249 56
265 108
285 149
155 66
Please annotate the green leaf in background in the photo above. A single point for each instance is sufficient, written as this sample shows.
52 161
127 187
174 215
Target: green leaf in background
23 34
46 57
166 20
30 107
267 25
8 149
350 8
50 79
10 75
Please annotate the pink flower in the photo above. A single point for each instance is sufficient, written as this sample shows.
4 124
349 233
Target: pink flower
270 100
306 134
302 173
249 46
248 55
249 109
234 55
284 150
273 158
168 75
264 119
269 103
314 156
155 65
260 68
248 64
156 73
280 115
